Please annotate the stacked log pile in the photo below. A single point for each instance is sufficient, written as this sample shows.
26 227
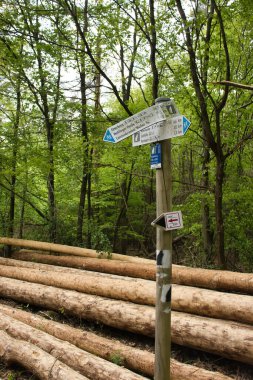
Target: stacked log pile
206 319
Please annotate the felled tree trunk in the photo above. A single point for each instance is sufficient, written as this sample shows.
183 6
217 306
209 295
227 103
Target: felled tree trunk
203 278
39 362
225 338
69 250
184 298
122 268
135 290
89 365
132 358
213 279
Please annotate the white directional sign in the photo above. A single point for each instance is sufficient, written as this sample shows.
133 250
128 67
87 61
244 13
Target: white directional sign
169 221
173 127
143 119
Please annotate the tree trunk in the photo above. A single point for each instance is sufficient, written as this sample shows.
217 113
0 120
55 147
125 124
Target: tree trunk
45 366
119 242
152 43
70 250
132 358
87 364
206 227
184 298
14 160
85 150
198 277
122 268
225 338
220 253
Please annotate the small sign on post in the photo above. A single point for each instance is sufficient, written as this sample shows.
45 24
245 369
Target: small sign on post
156 156
169 221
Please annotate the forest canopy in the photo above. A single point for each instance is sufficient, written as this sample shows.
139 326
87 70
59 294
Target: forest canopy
70 69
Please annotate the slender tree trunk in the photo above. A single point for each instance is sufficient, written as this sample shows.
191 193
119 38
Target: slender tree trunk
122 217
22 212
207 235
155 75
14 162
220 251
89 205
85 171
51 182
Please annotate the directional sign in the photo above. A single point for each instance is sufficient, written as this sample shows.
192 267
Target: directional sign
143 119
169 221
172 127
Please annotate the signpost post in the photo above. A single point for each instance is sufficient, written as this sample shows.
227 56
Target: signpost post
159 123
164 265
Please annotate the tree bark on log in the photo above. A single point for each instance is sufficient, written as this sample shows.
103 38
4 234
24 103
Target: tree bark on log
122 268
132 358
225 338
198 301
39 362
87 364
69 250
203 278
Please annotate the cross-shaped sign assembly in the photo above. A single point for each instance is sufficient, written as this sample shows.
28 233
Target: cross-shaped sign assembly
156 125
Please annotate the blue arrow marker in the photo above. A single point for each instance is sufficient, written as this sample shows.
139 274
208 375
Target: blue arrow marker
108 136
186 124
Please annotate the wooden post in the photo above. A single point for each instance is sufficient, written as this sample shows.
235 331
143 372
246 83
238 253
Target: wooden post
164 265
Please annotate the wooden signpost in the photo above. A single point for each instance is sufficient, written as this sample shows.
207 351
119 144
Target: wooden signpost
159 123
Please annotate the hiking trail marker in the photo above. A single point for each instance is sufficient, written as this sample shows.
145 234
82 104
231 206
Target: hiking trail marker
173 127
146 118
158 124
169 221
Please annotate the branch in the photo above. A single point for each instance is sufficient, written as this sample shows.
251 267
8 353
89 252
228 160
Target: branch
234 84
25 200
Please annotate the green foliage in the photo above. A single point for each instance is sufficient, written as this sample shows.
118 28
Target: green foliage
117 358
122 191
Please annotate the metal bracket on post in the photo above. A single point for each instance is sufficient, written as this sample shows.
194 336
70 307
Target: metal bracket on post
164 264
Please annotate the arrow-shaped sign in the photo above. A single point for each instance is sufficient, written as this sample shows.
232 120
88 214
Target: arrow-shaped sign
173 127
169 220
143 119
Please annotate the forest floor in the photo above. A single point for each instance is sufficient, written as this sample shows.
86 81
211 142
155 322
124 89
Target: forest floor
236 370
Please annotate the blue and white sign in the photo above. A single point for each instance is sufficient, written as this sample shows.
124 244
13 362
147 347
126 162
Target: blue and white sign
143 119
156 156
172 127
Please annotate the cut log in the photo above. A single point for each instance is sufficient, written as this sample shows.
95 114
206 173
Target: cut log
203 278
135 290
132 358
225 338
118 314
87 364
184 298
69 250
39 362
122 268
213 279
